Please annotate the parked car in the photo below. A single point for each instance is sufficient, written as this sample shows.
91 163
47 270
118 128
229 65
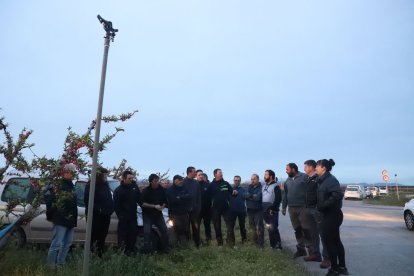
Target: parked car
409 214
383 191
39 230
359 187
353 192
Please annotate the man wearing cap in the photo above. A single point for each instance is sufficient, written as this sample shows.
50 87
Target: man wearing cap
126 197
62 211
179 205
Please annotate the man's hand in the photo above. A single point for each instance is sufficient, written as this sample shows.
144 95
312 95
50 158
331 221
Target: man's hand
284 212
235 193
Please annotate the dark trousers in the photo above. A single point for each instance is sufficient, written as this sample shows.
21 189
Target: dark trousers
100 226
297 218
256 225
216 216
205 215
330 235
159 222
127 234
242 223
312 231
271 218
181 226
195 227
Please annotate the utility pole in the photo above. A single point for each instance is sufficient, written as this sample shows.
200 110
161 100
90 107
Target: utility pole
110 34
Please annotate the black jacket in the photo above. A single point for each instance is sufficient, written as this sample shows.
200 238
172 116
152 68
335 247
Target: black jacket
62 206
103 203
195 192
220 193
254 197
205 197
126 198
311 196
179 200
329 194
153 196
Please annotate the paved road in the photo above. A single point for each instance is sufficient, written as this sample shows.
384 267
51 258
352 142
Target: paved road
375 238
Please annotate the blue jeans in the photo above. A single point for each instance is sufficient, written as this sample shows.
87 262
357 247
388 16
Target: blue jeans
59 248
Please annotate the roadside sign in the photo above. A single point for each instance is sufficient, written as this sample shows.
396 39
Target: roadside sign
386 178
384 172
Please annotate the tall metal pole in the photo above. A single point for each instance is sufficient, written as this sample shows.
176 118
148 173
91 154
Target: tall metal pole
110 33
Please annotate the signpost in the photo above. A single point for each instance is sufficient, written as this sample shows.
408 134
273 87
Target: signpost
396 186
386 178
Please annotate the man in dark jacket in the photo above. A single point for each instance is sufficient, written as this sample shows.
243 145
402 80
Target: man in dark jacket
194 188
62 210
179 205
313 218
103 207
126 197
220 193
271 199
154 200
238 207
205 213
255 211
294 198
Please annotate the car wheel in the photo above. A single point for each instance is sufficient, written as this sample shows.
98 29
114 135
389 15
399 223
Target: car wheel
409 220
17 238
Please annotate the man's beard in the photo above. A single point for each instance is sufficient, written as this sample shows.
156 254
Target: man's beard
291 174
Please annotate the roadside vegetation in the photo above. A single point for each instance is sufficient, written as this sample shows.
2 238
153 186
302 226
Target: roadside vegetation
391 199
185 260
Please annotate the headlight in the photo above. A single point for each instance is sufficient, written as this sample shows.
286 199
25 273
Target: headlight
170 223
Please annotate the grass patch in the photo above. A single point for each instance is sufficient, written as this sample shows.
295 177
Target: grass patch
184 260
391 199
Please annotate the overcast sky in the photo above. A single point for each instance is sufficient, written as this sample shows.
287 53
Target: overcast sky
240 85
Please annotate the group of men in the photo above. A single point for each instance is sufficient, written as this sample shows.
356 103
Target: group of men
193 200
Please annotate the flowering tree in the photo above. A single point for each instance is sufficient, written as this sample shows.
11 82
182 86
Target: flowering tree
12 151
77 150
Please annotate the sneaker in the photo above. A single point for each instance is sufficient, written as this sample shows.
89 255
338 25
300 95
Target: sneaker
332 272
343 271
299 253
314 257
326 263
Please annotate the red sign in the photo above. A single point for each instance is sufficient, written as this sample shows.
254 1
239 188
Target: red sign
386 178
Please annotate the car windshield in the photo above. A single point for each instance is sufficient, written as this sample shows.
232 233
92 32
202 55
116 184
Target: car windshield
18 189
352 189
